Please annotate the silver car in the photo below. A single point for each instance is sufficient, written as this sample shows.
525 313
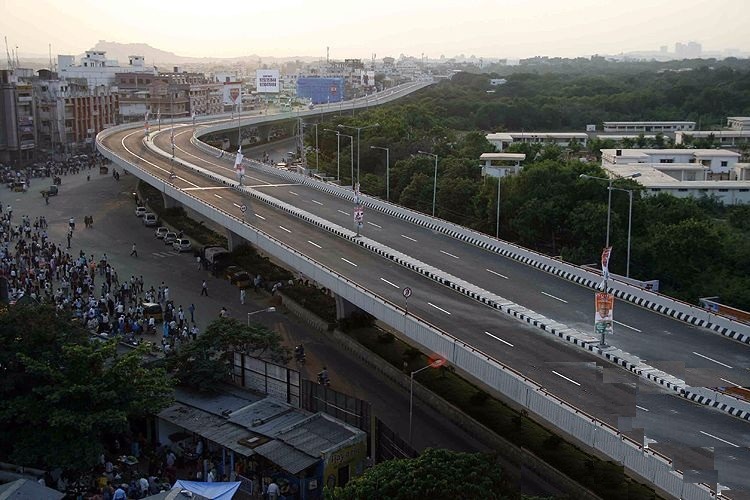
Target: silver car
181 245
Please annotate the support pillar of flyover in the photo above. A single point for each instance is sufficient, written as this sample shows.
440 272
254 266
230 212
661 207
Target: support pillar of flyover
344 308
169 202
234 240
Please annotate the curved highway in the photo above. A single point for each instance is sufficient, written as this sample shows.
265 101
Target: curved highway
584 380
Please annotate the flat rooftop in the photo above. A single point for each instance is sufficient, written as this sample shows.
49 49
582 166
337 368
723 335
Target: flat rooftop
652 178
503 156
650 123
654 152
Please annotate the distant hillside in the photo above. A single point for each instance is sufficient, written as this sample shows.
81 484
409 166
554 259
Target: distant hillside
154 56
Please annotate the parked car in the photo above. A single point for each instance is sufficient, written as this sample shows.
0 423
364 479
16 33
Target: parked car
181 245
140 211
150 220
52 191
230 270
241 279
161 232
170 238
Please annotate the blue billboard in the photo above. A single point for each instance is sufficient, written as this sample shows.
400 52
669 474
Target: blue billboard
321 90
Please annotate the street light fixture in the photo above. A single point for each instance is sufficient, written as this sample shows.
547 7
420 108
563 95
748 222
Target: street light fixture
267 309
434 185
435 364
339 135
630 223
387 171
358 129
609 198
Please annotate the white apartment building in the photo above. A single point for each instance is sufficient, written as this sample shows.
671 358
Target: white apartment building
738 122
501 140
96 69
726 138
648 126
683 172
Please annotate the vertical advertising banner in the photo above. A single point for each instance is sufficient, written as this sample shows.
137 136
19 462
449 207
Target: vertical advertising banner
603 318
267 81
367 78
605 264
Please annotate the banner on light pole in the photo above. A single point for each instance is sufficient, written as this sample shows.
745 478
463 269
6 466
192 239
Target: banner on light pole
606 253
603 318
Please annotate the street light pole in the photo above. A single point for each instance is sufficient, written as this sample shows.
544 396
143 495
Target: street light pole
434 185
387 171
497 217
434 364
267 309
630 224
609 197
358 129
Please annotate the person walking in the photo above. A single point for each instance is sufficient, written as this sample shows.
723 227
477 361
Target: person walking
198 261
204 288
242 296
192 313
133 251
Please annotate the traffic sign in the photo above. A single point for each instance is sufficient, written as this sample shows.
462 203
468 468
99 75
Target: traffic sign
406 292
243 208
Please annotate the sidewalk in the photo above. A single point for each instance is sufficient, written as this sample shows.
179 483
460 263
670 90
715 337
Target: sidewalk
116 228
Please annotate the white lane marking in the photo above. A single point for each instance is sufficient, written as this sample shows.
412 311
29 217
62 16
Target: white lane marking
373 224
219 197
349 262
566 378
642 408
498 338
316 201
719 439
285 229
496 273
342 212
439 308
710 359
553 297
628 326
295 194
730 382
449 254
260 217
314 244
236 205
408 238
122 141
392 284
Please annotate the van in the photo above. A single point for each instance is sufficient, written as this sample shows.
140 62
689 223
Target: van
153 310
150 220
216 257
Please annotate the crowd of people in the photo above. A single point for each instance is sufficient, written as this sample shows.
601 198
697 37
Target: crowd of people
87 288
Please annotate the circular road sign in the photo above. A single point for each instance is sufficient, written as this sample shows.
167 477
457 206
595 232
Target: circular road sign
243 208
406 292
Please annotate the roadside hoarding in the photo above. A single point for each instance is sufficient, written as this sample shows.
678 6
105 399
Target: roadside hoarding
267 81
232 92
367 78
603 317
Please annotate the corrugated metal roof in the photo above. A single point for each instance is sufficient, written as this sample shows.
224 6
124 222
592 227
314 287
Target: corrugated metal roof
317 434
221 403
268 416
285 456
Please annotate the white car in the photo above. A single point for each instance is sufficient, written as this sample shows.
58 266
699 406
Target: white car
161 232
140 211
170 238
181 245
150 220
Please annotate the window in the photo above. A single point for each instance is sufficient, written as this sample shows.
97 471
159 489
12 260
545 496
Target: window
744 190
723 190
655 190
724 163
683 190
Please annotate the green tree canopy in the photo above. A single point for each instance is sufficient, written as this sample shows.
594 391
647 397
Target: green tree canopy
436 473
203 363
61 393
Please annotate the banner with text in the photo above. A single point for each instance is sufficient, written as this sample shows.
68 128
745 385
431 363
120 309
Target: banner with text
267 81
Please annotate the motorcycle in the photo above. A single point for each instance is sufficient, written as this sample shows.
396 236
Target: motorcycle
323 378
299 354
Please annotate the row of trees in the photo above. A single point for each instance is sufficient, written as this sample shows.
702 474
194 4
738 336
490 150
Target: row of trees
694 247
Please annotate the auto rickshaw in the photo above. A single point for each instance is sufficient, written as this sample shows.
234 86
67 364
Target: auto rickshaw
153 310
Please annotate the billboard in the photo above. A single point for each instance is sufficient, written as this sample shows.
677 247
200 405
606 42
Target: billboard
367 78
321 90
267 80
232 91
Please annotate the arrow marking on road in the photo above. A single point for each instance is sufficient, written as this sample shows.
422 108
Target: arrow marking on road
498 338
710 359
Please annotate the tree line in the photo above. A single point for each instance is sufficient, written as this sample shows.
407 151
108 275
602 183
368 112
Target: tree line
695 247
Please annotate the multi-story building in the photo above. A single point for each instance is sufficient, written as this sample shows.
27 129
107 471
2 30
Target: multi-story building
647 126
501 140
683 172
725 138
97 69
17 131
738 122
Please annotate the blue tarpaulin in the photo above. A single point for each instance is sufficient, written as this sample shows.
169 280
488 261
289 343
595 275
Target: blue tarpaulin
214 491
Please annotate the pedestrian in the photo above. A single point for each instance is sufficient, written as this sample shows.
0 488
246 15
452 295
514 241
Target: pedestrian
198 261
223 313
133 251
192 313
204 286
46 198
72 223
242 296
194 332
273 491
68 240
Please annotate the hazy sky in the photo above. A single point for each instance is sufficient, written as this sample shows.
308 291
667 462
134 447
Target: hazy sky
359 28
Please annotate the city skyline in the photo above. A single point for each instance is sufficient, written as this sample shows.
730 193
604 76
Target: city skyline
483 28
